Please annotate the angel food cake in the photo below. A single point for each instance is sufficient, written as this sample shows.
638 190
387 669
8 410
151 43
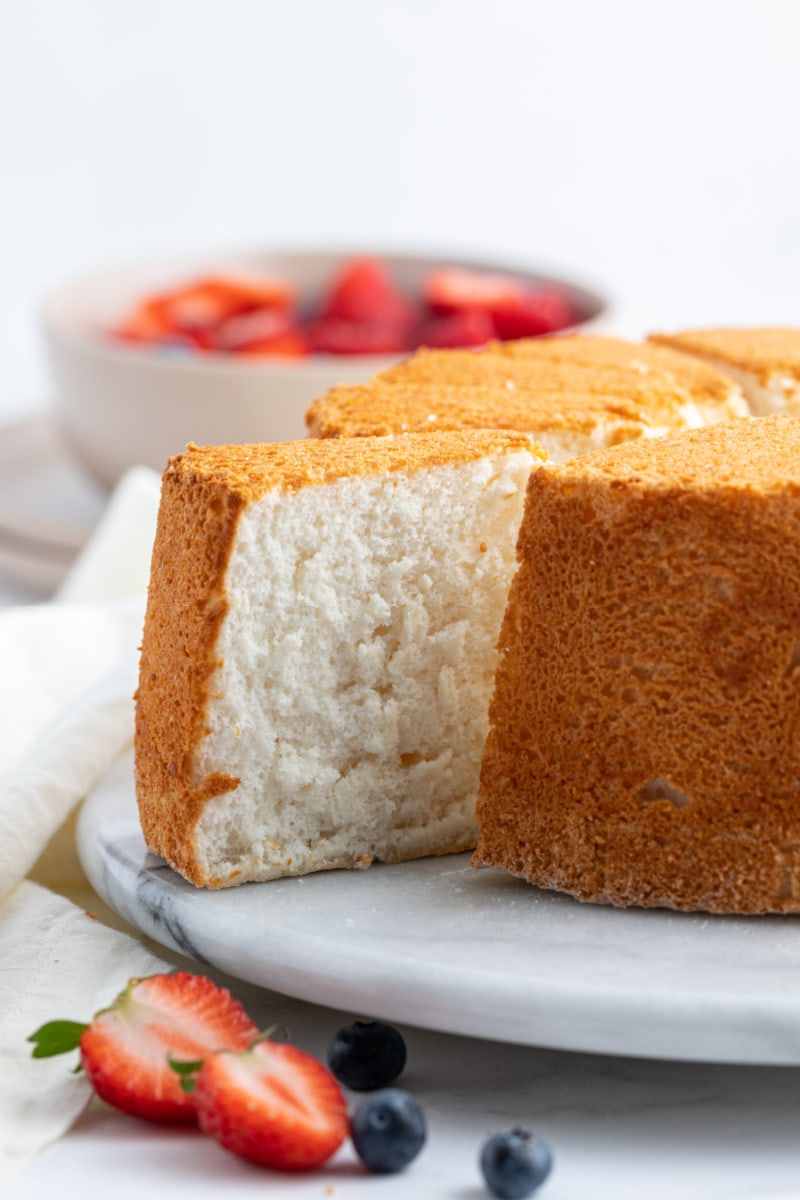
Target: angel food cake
319 650
573 394
644 744
764 362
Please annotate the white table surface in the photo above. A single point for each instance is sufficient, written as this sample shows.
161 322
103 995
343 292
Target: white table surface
620 1130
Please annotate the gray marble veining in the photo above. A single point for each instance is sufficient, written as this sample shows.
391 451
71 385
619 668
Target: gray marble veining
442 946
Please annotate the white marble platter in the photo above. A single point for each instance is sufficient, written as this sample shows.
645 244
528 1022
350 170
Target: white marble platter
438 944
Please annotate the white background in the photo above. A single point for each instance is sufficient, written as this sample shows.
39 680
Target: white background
648 146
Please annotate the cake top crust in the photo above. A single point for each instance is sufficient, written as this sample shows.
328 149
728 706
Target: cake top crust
530 385
424 408
760 352
753 454
251 471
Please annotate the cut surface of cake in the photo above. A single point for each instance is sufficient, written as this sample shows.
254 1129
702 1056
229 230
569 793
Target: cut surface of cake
319 650
644 744
764 362
573 394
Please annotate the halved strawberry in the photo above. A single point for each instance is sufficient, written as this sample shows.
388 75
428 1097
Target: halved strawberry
272 1104
363 292
125 1050
469 328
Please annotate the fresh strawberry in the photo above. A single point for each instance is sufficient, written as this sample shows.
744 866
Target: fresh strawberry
331 335
364 293
531 314
146 323
194 313
516 310
206 303
456 289
469 328
249 328
125 1050
292 344
272 1104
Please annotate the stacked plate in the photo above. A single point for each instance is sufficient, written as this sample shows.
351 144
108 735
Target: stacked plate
48 507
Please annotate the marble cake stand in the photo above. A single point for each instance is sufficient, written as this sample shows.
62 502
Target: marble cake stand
439 945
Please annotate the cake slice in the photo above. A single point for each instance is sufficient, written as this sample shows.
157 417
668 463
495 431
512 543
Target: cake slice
764 362
573 394
319 650
644 744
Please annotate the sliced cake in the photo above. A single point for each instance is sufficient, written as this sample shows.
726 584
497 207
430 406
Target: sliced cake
764 362
644 744
572 394
319 650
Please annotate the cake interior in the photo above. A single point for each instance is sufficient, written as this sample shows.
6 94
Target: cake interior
778 393
356 661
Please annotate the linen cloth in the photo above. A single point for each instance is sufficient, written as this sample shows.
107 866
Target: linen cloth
66 712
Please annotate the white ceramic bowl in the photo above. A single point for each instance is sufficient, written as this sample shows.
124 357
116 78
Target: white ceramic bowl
120 406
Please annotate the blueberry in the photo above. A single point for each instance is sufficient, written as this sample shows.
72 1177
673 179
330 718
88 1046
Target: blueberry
515 1164
367 1055
388 1131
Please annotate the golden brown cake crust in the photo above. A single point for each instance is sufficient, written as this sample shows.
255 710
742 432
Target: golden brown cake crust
761 352
532 385
204 492
645 727
410 409
186 605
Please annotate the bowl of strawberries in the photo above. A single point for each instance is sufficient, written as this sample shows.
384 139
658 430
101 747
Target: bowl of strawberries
235 348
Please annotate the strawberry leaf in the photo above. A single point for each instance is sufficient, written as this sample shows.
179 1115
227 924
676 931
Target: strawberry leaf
187 1071
181 1067
56 1037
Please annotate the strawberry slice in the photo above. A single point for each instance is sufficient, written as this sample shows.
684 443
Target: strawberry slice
272 1104
125 1050
364 293
469 328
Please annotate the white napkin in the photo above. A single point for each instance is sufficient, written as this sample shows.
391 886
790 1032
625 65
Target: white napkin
68 674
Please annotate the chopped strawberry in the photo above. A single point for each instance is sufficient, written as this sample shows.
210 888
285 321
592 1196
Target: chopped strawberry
125 1050
365 294
249 328
199 307
531 314
146 323
469 328
332 335
516 310
292 344
272 1104
455 289
207 303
